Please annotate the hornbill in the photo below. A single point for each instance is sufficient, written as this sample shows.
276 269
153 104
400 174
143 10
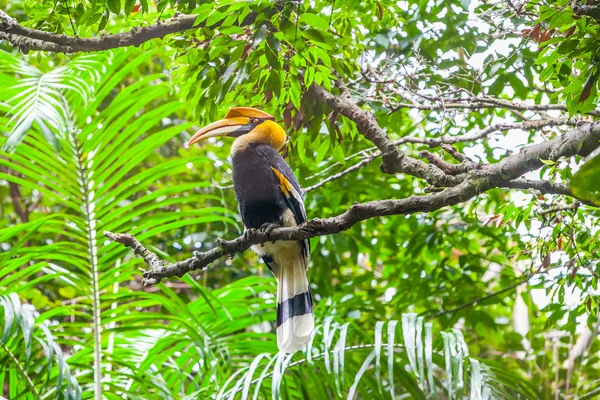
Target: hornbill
269 195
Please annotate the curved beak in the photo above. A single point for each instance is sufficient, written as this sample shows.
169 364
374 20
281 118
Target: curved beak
232 127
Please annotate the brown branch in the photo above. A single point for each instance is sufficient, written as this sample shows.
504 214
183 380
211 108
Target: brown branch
458 156
483 133
309 229
588 10
446 167
545 187
443 142
33 39
130 241
541 186
16 197
395 161
579 141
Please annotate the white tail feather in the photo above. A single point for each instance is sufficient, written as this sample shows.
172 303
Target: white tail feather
296 330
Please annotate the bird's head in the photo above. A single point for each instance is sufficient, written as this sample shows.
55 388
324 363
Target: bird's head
247 125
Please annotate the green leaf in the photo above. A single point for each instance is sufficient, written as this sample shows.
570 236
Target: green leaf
496 88
202 13
103 21
229 71
314 20
114 6
584 183
323 148
517 84
317 38
548 162
129 4
271 56
567 46
259 36
214 17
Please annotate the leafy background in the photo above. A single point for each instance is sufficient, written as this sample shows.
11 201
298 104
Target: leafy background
94 142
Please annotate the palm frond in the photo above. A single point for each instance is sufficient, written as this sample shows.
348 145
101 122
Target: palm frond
31 362
413 368
42 98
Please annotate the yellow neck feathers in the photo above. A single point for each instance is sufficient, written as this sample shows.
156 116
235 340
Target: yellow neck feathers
269 133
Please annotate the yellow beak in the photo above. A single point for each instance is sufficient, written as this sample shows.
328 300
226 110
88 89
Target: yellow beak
234 127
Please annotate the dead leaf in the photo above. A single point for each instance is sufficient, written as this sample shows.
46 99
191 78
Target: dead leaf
587 89
287 115
546 261
570 31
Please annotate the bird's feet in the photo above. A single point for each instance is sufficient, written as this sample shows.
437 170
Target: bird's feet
267 228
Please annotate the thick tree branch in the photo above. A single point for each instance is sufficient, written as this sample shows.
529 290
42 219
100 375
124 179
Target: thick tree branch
541 186
588 10
579 141
309 229
395 161
544 187
33 39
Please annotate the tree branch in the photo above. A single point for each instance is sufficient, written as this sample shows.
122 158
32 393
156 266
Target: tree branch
589 10
309 229
33 39
542 186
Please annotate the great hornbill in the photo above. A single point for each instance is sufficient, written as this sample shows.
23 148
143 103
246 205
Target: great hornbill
269 195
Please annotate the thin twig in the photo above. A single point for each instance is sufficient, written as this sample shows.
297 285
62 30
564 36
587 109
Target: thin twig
480 299
476 103
347 171
556 209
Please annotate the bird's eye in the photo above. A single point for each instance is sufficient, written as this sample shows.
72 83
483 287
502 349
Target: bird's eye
255 120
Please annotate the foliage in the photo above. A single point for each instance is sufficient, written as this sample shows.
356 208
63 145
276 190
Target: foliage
44 98
584 181
568 44
32 363
100 146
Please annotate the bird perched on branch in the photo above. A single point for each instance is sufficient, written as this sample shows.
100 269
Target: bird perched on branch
269 195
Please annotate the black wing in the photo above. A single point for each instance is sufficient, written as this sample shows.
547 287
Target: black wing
291 192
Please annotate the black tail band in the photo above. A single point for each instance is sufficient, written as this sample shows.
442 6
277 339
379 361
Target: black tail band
298 305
